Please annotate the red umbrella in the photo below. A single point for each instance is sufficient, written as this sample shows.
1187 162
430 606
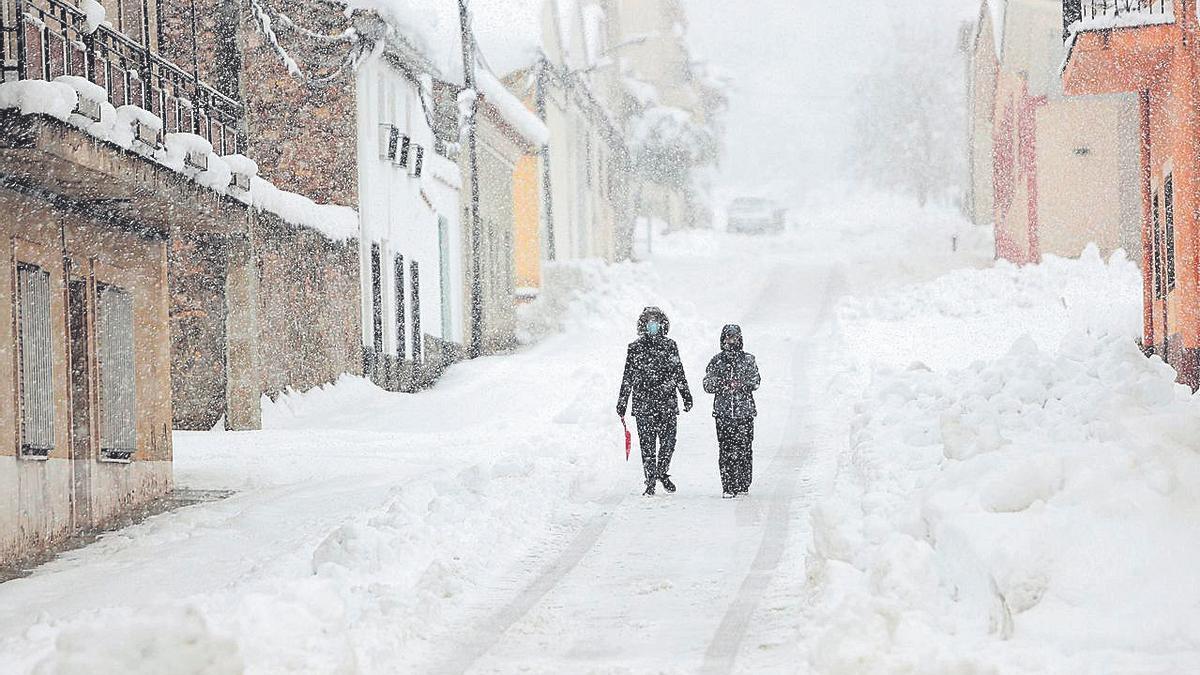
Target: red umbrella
628 439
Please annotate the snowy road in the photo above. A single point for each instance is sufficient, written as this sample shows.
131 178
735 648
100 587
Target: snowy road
672 583
490 525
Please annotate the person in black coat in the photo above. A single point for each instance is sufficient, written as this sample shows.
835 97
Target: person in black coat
655 380
732 376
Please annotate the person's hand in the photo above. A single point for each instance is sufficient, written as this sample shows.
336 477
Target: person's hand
687 406
734 385
621 411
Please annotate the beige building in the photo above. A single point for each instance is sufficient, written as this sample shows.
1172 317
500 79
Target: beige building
579 87
1063 170
500 147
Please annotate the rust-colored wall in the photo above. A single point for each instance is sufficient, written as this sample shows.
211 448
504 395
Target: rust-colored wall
1159 63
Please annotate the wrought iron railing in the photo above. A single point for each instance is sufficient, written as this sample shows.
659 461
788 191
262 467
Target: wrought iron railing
1155 11
43 39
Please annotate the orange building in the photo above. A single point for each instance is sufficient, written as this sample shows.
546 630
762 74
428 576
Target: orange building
1149 47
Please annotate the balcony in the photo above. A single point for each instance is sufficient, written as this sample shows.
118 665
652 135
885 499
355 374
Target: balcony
43 39
1116 46
1080 15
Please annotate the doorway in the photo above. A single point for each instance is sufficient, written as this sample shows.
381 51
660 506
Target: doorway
82 452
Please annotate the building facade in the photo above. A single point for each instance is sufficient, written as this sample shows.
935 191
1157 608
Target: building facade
1062 168
412 238
1149 50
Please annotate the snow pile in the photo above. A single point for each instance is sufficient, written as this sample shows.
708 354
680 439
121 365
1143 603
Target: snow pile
1030 511
95 15
512 109
981 312
180 146
84 87
38 97
146 642
117 125
509 33
337 223
432 28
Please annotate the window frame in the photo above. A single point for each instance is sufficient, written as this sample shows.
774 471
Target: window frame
108 452
45 356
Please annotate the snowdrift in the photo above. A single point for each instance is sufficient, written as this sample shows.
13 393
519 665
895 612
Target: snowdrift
1031 511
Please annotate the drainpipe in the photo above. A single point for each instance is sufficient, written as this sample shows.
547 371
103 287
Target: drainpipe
547 177
475 348
1147 223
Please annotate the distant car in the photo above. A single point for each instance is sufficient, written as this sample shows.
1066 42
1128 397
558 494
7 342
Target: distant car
751 215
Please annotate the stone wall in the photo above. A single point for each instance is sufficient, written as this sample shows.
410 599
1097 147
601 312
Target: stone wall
309 308
196 278
301 133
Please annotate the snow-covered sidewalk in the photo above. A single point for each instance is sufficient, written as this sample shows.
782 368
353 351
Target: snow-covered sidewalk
1016 492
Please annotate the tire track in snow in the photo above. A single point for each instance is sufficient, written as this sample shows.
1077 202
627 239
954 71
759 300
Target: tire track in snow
492 629
490 632
789 463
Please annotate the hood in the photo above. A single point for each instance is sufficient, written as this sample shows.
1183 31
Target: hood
734 332
653 313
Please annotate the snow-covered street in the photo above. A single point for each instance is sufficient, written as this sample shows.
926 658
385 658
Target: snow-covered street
493 525
488 520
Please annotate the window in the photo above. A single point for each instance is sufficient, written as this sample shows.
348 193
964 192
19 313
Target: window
1169 218
376 299
398 274
1156 253
36 360
118 379
416 313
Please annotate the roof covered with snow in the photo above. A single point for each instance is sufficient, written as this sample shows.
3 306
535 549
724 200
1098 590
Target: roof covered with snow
508 32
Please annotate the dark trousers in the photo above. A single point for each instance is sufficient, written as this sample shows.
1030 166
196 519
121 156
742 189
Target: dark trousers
657 433
736 460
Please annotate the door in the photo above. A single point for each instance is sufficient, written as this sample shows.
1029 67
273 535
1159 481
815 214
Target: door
82 448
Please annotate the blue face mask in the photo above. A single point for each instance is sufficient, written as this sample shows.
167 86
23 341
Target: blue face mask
652 328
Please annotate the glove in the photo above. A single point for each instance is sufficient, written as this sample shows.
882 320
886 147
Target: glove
620 410
687 405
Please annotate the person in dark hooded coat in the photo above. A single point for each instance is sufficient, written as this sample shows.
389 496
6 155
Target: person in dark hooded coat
733 377
655 380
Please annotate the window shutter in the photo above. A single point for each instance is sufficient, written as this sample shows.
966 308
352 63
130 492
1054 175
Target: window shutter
118 376
37 362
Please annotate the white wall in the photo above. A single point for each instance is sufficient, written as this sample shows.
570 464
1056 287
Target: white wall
400 212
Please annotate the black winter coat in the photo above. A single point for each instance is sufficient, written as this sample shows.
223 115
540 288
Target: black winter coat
733 376
654 375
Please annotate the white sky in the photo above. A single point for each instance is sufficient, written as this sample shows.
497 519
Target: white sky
795 65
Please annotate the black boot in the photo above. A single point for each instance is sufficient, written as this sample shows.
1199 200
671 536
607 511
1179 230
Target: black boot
649 490
667 484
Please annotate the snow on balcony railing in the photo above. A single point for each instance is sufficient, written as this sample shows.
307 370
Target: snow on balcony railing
194 157
46 39
1086 15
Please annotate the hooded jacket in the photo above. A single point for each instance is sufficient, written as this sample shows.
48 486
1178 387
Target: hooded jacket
733 376
654 376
